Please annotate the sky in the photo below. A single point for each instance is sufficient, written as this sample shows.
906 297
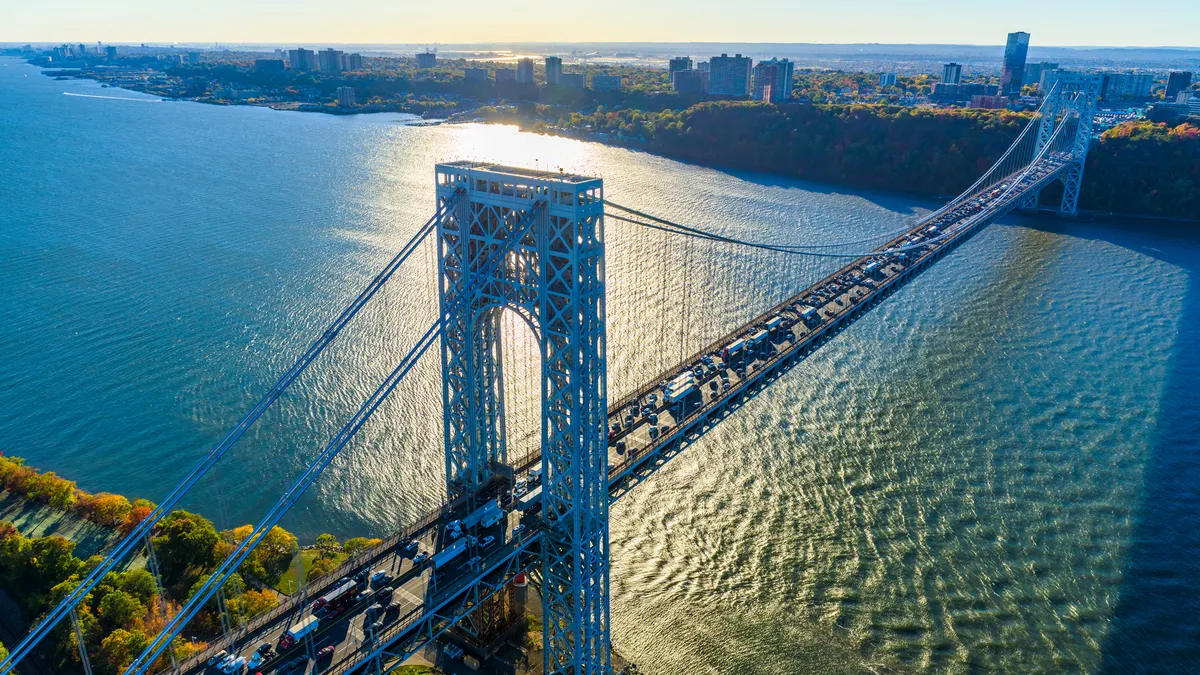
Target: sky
1051 22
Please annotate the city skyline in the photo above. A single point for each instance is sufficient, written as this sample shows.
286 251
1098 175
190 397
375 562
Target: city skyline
1158 23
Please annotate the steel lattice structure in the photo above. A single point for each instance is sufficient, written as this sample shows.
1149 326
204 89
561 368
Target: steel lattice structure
1074 95
554 279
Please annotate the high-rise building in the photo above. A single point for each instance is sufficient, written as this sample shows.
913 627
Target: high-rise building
506 75
606 82
268 66
706 66
887 79
689 81
574 80
525 71
330 60
80 50
773 80
729 75
426 59
1015 52
1033 71
679 63
476 74
1126 86
110 53
345 97
302 59
952 73
354 62
553 70
1177 81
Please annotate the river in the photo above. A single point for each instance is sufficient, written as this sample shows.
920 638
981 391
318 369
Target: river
996 470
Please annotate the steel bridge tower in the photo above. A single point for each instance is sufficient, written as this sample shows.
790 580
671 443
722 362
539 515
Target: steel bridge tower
554 280
1074 96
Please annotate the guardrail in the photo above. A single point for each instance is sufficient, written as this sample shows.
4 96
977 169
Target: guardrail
359 559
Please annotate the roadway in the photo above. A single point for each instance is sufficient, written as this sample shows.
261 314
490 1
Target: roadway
642 427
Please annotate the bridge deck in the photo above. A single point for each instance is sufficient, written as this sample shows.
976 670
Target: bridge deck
647 430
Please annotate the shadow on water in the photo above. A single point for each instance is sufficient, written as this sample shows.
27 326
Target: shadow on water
1156 622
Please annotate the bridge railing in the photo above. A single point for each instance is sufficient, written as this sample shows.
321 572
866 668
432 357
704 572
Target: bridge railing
295 602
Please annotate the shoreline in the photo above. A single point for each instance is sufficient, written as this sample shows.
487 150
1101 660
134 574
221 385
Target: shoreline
526 126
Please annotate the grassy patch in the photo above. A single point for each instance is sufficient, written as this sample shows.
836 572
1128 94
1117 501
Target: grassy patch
287 583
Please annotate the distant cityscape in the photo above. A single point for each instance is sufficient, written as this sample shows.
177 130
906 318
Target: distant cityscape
335 80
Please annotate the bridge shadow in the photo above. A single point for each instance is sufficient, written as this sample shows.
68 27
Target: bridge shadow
1155 625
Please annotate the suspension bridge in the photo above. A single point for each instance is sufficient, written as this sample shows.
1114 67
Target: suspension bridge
533 526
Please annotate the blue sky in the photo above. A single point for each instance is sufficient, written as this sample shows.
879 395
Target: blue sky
1052 22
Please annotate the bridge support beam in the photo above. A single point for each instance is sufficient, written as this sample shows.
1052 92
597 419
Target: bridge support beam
1076 94
553 279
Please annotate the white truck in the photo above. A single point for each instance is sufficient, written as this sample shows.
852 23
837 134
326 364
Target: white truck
449 553
297 632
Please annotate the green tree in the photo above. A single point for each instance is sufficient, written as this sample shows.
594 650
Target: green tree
185 541
119 609
328 545
356 544
118 649
139 583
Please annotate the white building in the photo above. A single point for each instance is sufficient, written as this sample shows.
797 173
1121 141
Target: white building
345 97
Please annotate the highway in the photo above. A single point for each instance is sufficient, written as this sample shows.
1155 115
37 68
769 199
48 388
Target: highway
645 429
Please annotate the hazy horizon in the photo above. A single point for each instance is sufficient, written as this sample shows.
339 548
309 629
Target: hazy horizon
1071 23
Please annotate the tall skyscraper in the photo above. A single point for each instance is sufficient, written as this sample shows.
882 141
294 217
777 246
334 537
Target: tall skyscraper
525 71
110 53
330 60
887 79
952 73
302 59
553 70
1014 63
729 75
689 81
354 62
679 63
1177 81
773 80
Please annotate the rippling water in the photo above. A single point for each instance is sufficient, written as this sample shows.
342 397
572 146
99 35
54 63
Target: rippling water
996 470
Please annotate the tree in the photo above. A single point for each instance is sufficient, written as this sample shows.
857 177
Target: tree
140 584
186 540
356 544
328 545
109 509
141 510
321 566
118 649
119 609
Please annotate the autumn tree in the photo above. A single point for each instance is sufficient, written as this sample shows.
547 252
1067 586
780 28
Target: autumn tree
186 541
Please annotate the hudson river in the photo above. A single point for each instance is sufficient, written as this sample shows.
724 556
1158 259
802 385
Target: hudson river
996 470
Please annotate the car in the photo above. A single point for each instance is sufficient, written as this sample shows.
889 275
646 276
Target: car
473 562
217 658
255 659
376 627
234 666
420 558
518 529
392 606
325 651
294 663
374 609
363 595
360 578
378 576
226 660
384 580
383 594
412 546
266 649
487 541
520 491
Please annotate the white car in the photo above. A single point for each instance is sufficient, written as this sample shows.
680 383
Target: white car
518 529
487 541
412 546
226 660
234 666
420 558
219 657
